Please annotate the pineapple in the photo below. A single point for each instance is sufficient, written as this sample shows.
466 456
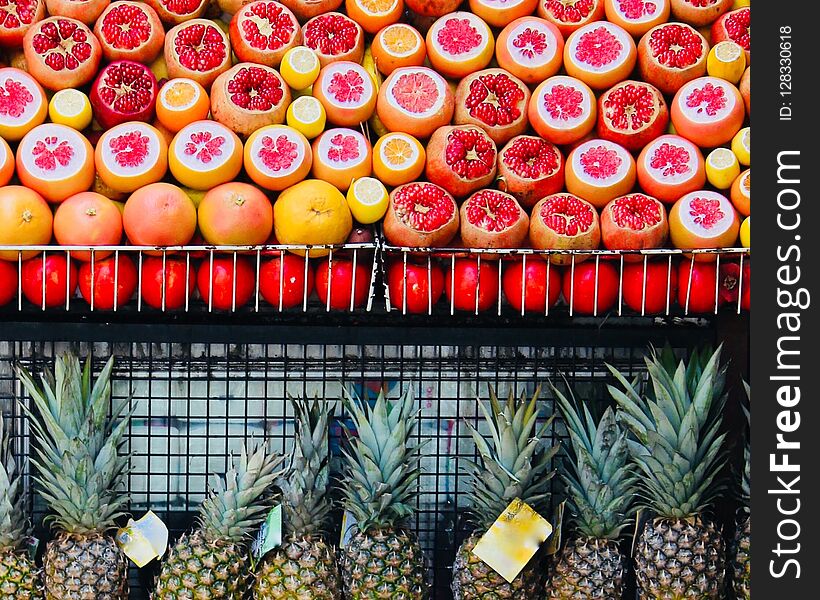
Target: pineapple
382 559
212 561
304 566
514 464
600 486
742 560
81 476
679 453
19 577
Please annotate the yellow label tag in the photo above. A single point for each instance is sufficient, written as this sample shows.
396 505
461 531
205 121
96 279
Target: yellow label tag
144 540
513 539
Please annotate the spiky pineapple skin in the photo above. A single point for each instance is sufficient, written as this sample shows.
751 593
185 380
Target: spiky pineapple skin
473 579
85 567
383 564
679 559
19 577
302 568
742 560
197 569
589 569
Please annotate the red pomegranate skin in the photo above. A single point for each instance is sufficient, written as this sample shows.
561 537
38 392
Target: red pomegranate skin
541 285
228 288
336 279
644 291
57 271
645 105
701 277
634 222
282 281
124 91
461 159
166 281
105 272
472 285
493 219
564 222
530 168
579 285
421 215
413 287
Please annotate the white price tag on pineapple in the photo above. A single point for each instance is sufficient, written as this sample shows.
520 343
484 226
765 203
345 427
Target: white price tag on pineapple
513 539
144 540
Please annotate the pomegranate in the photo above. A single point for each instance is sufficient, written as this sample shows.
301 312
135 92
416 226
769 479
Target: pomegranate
471 284
632 113
199 50
130 30
698 287
306 9
248 97
432 8
569 15
708 111
650 287
699 12
100 281
421 215
493 219
414 287
634 222
672 54
415 100
16 17
163 282
564 222
8 282
262 31
703 219
669 167
232 284
730 283
174 12
591 288
124 91
599 171
85 11
535 287
334 36
735 26
461 159
340 286
48 281
61 53
530 168
286 281
496 101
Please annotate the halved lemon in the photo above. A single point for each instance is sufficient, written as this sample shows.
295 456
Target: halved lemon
182 101
746 232
727 61
722 168
367 199
300 67
70 107
307 116
742 146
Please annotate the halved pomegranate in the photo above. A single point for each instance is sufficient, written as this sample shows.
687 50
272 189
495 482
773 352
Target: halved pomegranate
735 26
306 9
496 101
124 91
671 54
421 215
669 167
599 171
569 15
650 287
699 12
248 96
16 18
708 111
493 219
703 219
347 92
461 159
130 30
334 36
634 222
632 114
600 54
61 53
534 286
262 31
471 284
415 100
564 222
197 49
530 168
562 110
85 11
637 16
173 12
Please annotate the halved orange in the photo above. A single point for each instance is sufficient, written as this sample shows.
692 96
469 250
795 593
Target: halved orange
205 154
6 162
131 155
25 104
180 102
398 158
277 157
372 15
340 156
398 45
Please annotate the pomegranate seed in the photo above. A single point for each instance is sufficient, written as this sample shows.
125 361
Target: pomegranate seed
470 153
676 45
567 215
531 157
423 206
636 212
492 211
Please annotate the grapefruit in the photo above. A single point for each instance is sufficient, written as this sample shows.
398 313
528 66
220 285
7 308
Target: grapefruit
599 171
600 54
347 92
88 219
499 13
637 16
530 48
415 100
562 110
703 219
205 154
159 214
372 15
235 214
669 167
277 156
708 111
459 44
569 15
340 156
25 220
25 104
6 162
741 193
131 155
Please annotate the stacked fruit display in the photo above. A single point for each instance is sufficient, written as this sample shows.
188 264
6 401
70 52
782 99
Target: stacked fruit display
170 123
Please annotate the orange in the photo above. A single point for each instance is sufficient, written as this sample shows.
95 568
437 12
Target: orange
372 15
6 162
25 220
131 155
530 48
499 13
398 45
459 44
88 219
340 156
741 193
26 101
205 154
398 158
277 156
182 101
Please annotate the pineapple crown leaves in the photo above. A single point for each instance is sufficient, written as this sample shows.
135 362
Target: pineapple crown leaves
382 470
746 476
236 503
514 463
80 468
677 444
599 479
12 527
304 486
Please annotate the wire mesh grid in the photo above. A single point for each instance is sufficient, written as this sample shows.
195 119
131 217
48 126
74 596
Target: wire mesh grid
196 403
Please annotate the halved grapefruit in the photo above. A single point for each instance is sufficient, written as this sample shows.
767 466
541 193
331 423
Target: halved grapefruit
499 13
415 100
670 167
708 111
562 110
205 154
703 219
599 171
24 104
637 16
459 44
340 156
372 15
6 162
600 54
569 15
131 155
530 48
347 92
277 157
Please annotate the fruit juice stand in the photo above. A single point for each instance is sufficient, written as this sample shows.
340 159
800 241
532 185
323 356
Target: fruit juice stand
411 210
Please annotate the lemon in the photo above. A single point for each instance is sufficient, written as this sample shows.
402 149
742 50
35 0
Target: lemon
746 232
722 168
727 61
367 199
300 67
741 4
307 116
70 107
742 146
